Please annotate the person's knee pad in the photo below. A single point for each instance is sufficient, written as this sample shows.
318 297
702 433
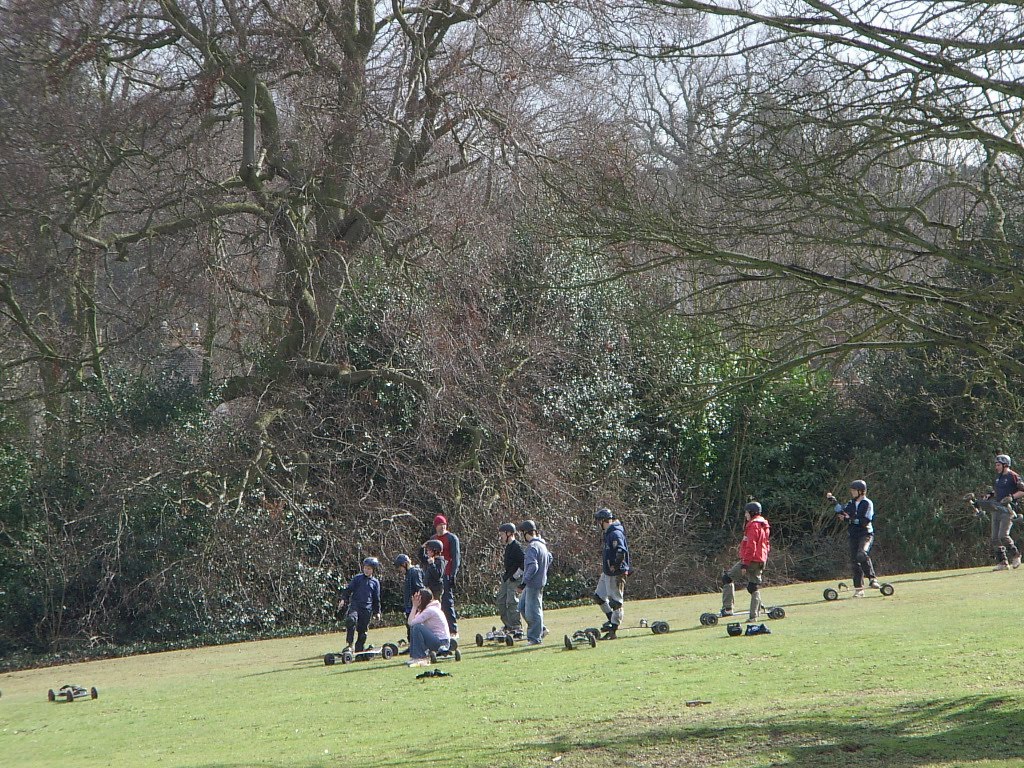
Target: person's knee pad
752 587
615 604
726 578
598 599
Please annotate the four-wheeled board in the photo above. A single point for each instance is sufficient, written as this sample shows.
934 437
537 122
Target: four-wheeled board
69 693
588 636
712 619
387 652
831 594
501 637
452 652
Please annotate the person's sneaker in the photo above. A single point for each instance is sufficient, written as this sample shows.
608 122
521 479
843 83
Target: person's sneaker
725 612
606 626
455 636
418 663
858 593
544 632
752 619
610 634
533 642
874 584
1001 567
1015 563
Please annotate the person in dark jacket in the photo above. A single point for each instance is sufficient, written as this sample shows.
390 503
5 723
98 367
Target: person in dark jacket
412 582
753 555
610 593
1008 487
361 601
433 567
453 561
508 597
859 514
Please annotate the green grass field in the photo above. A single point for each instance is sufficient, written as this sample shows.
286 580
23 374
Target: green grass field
928 677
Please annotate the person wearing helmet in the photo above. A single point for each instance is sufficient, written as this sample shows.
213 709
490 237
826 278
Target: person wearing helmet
753 554
412 581
508 597
360 600
859 514
1007 488
433 567
611 585
536 563
452 553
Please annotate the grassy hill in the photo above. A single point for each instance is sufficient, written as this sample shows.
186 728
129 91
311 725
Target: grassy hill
928 677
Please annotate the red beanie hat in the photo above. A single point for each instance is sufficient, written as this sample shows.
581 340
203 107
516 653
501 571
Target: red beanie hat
440 520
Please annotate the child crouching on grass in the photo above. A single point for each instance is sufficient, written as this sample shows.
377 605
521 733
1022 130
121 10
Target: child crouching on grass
428 628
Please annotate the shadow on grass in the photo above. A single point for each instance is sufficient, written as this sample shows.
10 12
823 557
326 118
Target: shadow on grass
967 729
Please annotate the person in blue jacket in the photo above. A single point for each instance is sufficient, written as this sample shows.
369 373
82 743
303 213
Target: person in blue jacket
361 600
859 514
610 593
412 582
536 563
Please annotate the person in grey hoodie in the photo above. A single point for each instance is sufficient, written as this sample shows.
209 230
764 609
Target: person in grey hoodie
537 561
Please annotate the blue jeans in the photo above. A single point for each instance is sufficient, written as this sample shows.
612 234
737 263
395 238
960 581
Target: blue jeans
531 606
422 640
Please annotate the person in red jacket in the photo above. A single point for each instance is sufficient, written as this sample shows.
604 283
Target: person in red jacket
754 551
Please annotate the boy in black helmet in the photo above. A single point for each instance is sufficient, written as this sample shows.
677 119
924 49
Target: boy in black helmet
361 600
508 598
412 582
753 554
1008 487
433 567
610 593
859 514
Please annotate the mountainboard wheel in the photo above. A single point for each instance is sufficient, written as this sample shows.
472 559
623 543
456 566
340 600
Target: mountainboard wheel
509 640
328 659
433 657
830 594
712 619
568 643
69 695
388 651
592 640
347 657
887 589
479 641
777 612
50 695
659 627
93 693
593 631
458 655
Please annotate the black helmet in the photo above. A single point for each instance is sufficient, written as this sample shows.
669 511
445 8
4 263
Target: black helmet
753 507
603 514
373 562
859 485
528 526
434 544
402 560
1003 459
506 528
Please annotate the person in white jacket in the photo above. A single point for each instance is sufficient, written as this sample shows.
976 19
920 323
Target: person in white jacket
428 628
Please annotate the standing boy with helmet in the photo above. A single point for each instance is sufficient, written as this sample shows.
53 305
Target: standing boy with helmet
1007 488
453 560
361 598
412 581
514 560
859 513
433 567
536 562
611 586
753 554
